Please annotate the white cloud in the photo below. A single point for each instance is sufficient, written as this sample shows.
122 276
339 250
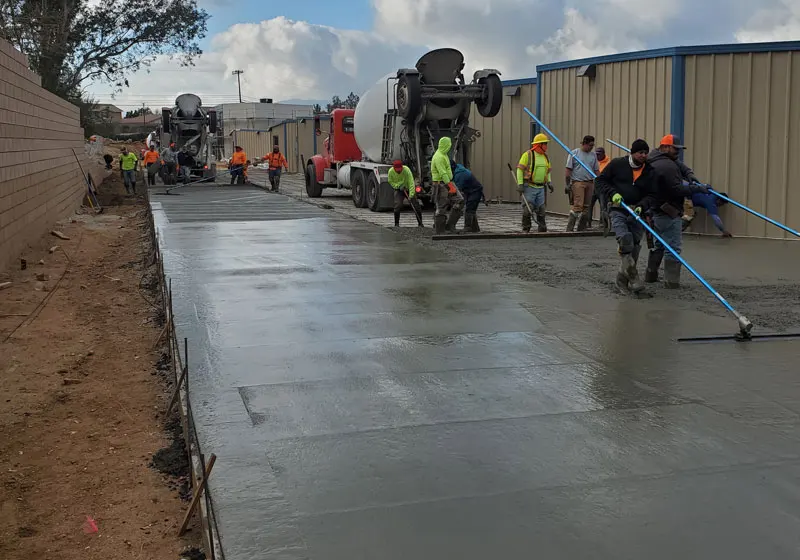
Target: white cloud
284 59
779 21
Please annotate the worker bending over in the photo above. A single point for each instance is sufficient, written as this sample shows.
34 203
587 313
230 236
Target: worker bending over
151 165
472 191
447 200
628 180
671 187
402 181
275 161
581 183
237 163
711 203
533 175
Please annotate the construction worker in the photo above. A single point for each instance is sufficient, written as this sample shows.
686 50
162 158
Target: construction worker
447 200
109 159
128 165
581 182
672 186
533 176
472 191
185 164
169 164
628 180
275 162
402 181
151 164
603 160
712 204
237 164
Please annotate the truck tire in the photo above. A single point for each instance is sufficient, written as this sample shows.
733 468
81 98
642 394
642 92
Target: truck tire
490 104
409 96
373 195
165 114
212 122
358 188
313 188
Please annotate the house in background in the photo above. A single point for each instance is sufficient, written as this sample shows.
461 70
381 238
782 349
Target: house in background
107 113
139 125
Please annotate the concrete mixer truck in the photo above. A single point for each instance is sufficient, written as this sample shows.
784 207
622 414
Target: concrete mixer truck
402 117
191 127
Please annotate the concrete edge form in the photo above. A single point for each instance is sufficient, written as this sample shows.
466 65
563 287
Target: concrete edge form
211 538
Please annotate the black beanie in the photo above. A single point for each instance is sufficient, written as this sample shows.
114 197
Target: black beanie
639 146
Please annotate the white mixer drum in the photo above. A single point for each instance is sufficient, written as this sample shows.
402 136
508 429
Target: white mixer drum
368 125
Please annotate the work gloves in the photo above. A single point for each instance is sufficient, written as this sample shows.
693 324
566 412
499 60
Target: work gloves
550 186
520 189
698 188
616 199
568 187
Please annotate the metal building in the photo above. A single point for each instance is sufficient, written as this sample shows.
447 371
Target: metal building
732 105
235 117
298 139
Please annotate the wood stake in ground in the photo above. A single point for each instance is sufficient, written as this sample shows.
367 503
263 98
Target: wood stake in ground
197 493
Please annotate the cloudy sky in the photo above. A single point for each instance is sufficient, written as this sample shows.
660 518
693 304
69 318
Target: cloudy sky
313 49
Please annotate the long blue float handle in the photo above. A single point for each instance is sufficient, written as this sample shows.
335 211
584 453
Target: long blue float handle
737 204
744 324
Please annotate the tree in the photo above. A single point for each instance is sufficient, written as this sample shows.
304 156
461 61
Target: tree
138 112
317 108
71 44
349 102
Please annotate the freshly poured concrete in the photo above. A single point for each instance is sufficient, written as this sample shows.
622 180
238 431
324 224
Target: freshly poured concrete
369 399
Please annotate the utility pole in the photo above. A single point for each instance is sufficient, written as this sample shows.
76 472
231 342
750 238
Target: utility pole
238 74
144 116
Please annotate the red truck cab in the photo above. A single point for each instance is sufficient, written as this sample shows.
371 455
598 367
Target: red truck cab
340 146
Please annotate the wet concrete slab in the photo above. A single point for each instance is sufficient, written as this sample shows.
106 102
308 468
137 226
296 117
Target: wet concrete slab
370 397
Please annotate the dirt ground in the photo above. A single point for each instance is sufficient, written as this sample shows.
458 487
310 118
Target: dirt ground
83 398
759 277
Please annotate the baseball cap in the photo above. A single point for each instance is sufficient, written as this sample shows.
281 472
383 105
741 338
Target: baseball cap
398 165
672 140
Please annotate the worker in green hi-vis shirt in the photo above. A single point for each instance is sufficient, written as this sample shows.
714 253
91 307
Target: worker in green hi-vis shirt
129 164
402 181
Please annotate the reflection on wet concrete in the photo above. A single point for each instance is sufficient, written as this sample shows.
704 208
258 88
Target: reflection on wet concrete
368 398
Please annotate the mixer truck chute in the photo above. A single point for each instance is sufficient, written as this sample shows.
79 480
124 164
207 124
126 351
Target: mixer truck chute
403 117
191 127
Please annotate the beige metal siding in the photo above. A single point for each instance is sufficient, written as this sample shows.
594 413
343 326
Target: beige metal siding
625 101
503 139
254 143
739 117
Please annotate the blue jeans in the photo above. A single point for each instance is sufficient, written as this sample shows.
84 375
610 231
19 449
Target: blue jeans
129 178
670 230
534 196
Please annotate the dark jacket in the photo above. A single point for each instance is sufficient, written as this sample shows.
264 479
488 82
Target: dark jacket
184 159
669 177
617 178
465 181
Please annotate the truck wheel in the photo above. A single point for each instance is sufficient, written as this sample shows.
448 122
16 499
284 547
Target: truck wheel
313 188
358 188
492 100
409 96
165 116
372 192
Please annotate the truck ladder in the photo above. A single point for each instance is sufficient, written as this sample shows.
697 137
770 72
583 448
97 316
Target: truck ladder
387 142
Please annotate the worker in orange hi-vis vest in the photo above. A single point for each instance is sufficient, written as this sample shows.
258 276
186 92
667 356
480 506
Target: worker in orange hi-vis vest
236 165
275 162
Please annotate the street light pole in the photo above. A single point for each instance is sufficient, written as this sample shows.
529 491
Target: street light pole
238 74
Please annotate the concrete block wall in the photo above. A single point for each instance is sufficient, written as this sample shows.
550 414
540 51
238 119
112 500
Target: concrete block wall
40 181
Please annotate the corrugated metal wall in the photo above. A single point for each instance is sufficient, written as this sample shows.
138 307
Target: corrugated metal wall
625 101
296 139
503 139
739 117
254 143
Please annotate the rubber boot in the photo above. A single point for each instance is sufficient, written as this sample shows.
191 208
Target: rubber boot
526 222
452 220
635 281
653 263
469 222
672 274
397 219
475 227
622 282
573 217
541 220
583 221
439 223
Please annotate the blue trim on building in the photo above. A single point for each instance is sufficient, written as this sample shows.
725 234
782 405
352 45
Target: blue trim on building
678 95
781 46
519 82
